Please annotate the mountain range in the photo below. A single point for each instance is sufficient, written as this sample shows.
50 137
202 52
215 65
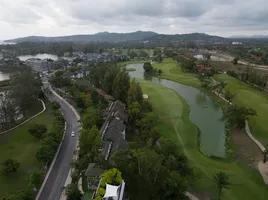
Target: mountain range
119 37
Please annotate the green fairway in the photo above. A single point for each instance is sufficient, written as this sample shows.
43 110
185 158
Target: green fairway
172 71
174 124
20 145
251 98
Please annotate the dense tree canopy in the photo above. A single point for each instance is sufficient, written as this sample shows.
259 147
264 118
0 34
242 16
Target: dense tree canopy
10 166
37 130
148 68
237 115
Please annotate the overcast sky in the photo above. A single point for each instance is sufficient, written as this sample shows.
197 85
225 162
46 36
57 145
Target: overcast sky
19 18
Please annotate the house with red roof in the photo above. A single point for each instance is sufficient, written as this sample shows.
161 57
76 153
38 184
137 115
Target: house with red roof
203 68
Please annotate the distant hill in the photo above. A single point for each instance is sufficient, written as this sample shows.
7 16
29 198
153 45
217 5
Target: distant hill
186 37
102 37
249 37
120 37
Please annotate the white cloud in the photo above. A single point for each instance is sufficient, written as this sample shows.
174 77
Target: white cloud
64 17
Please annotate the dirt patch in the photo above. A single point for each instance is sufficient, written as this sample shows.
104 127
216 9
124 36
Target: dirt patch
246 150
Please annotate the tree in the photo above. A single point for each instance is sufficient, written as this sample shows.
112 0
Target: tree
229 96
11 165
91 118
37 130
134 93
148 68
176 187
207 56
8 110
55 105
111 176
222 181
235 60
73 193
134 112
89 142
237 115
25 91
45 154
146 126
160 72
58 73
121 86
265 155
36 179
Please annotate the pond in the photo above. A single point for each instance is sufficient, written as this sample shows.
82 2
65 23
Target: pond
204 112
4 76
43 56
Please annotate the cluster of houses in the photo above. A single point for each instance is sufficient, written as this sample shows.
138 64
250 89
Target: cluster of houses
97 57
113 137
7 57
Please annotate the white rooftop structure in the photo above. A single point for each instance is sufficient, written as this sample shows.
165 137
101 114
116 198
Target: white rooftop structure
111 191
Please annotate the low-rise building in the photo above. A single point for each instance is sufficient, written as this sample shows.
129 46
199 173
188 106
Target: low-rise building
38 65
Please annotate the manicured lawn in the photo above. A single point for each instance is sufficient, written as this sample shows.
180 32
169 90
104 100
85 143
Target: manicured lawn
251 98
174 124
172 71
20 145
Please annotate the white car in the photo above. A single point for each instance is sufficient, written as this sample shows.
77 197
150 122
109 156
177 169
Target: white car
73 134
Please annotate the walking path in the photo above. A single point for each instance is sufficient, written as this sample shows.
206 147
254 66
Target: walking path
44 108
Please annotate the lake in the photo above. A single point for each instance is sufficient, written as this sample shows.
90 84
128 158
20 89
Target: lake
43 56
4 76
204 112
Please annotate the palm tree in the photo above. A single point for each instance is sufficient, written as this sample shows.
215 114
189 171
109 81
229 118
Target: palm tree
222 181
265 155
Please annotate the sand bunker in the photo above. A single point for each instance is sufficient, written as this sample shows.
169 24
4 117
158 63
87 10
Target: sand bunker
145 96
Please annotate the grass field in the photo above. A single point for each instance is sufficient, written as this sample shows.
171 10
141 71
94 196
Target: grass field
20 145
225 65
174 124
173 72
251 98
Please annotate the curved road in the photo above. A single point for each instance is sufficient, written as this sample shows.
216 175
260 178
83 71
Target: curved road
56 180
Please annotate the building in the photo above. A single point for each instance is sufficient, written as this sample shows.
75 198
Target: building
113 132
203 68
43 66
199 57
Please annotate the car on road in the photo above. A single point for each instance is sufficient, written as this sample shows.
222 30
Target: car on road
73 134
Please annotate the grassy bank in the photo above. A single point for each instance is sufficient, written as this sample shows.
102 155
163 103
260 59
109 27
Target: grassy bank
20 145
174 124
172 71
251 98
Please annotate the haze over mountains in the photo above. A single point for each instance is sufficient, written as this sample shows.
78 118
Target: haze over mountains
119 37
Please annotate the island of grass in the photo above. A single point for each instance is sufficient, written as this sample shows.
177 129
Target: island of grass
18 144
174 123
171 71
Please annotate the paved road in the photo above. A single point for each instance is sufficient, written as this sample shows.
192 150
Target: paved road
56 180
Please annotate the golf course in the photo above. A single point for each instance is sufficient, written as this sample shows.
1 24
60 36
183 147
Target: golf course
176 124
20 145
